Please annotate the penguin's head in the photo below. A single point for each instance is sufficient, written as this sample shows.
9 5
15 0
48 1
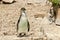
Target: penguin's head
23 9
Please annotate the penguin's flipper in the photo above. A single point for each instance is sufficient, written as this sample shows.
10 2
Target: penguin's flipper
28 26
18 22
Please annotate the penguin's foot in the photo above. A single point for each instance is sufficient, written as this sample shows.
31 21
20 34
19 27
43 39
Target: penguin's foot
22 35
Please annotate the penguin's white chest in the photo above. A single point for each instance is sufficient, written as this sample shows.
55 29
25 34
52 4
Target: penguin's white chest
23 19
23 24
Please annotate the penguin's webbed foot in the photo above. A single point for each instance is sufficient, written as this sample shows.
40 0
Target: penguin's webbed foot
22 35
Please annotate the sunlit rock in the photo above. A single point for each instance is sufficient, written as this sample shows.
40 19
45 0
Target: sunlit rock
8 1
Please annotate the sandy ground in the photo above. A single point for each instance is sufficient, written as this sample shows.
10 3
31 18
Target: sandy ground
37 16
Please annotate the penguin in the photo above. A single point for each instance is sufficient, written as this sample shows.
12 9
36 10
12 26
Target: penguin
51 16
23 24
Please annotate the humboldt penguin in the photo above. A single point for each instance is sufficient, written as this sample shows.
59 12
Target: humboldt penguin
51 16
23 24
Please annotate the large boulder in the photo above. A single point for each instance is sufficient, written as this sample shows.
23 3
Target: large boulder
8 1
58 17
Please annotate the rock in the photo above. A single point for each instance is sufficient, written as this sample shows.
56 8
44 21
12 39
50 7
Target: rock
58 22
58 18
8 1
